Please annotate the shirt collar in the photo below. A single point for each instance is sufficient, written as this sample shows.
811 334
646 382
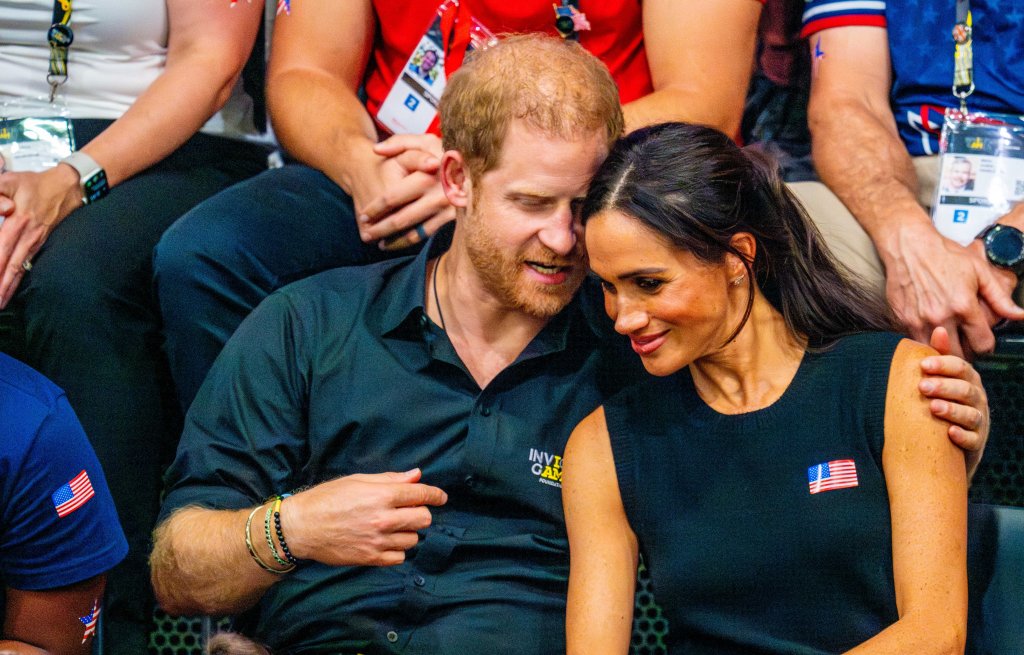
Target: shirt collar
408 286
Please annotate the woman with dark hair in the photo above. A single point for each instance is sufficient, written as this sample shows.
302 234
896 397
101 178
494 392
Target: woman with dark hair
781 473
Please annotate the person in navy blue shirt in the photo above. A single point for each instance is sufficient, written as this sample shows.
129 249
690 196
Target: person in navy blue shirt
881 82
59 531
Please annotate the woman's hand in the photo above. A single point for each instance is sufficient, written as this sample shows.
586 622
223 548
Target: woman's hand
32 204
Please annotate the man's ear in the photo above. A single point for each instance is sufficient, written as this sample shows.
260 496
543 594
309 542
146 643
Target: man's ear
455 179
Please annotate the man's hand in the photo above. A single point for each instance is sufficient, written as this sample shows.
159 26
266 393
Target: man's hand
958 397
932 282
359 520
408 195
32 204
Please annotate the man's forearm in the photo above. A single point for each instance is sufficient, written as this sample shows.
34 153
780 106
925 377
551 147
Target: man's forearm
201 565
863 161
321 124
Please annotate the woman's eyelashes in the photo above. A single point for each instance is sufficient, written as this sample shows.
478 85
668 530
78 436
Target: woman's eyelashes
648 284
644 284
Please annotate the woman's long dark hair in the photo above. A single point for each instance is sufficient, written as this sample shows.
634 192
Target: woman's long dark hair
696 188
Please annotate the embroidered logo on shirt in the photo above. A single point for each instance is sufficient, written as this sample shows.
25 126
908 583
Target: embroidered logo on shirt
74 494
89 620
837 474
547 467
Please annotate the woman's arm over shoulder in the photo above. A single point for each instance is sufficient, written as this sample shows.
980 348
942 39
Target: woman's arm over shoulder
927 483
602 545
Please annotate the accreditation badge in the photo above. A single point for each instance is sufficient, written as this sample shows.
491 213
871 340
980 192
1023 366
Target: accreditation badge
35 134
981 175
411 105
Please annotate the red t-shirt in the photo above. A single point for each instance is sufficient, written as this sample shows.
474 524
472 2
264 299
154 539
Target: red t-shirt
615 37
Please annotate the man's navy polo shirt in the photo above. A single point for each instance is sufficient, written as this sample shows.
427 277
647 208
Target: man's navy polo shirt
344 373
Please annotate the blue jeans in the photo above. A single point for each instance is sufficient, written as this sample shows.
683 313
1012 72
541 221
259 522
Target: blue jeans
217 262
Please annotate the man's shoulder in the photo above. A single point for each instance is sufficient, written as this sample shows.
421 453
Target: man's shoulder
345 291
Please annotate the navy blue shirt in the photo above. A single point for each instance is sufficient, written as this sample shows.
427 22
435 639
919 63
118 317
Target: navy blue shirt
58 524
764 532
344 373
921 51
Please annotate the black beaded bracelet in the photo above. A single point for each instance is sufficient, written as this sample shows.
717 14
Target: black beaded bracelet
280 534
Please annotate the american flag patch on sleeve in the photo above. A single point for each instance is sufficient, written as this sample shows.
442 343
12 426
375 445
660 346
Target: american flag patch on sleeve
69 497
837 474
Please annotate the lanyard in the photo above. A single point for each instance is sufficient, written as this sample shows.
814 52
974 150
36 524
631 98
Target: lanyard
963 54
59 37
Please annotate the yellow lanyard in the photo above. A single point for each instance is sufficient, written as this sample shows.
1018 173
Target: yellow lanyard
963 55
59 36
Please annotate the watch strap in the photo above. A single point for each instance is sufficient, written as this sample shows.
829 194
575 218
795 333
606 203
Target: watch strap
92 178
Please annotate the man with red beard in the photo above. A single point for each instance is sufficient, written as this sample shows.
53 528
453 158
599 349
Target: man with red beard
466 367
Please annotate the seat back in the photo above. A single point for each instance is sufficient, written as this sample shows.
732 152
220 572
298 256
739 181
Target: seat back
995 574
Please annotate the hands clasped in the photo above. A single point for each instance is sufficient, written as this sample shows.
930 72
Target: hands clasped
406 204
360 520
932 281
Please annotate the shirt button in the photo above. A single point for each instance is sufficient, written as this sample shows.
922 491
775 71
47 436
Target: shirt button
470 480
485 411
392 636
419 581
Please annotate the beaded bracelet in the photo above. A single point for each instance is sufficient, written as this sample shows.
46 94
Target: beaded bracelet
252 550
280 534
269 535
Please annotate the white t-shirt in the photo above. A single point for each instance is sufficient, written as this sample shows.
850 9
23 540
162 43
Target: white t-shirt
119 48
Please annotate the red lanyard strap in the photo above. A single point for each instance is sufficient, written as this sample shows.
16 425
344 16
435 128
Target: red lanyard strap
456 29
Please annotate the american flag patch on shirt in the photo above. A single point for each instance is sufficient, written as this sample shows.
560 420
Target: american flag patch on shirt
74 494
837 474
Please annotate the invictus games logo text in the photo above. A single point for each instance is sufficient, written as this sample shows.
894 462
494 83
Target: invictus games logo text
547 467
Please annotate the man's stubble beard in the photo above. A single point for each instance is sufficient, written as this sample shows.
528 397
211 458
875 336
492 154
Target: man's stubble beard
502 272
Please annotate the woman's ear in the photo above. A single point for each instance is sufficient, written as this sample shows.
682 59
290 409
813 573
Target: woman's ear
455 179
745 244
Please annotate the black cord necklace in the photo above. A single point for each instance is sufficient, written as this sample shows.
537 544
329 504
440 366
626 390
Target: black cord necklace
437 301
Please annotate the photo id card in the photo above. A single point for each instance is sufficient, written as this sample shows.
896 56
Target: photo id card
411 105
981 175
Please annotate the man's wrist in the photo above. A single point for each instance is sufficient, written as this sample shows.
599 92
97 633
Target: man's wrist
892 240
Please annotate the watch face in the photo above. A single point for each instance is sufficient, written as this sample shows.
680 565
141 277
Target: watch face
1005 247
